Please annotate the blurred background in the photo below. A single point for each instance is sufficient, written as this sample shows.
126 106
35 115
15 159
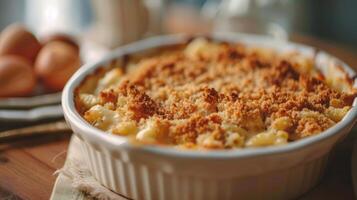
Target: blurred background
327 19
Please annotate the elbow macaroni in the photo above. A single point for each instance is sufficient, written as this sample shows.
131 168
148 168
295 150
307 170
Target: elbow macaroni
102 118
282 123
125 128
150 133
336 114
88 100
268 138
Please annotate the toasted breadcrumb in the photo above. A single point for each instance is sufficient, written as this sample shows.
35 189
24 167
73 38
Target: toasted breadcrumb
196 93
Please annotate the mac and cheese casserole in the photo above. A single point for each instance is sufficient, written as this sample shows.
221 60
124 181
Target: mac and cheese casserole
214 95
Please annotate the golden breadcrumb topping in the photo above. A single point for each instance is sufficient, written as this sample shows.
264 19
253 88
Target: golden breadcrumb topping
214 95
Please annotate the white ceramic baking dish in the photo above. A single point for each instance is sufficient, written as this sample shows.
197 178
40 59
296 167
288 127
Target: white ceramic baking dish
155 172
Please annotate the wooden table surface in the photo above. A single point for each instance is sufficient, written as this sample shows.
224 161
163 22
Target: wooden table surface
27 166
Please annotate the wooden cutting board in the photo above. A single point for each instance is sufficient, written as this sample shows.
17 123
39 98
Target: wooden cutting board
27 166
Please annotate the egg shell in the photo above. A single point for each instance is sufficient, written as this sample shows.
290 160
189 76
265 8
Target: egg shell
60 37
56 63
17 77
17 40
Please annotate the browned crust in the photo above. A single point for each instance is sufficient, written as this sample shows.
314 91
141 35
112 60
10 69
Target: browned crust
250 92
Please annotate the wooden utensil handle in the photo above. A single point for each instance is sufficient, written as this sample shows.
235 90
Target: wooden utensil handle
53 127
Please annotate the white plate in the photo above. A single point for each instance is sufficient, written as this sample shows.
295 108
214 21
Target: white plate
29 102
31 115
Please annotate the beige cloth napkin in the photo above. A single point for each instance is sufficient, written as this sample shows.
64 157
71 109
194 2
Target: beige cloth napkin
75 181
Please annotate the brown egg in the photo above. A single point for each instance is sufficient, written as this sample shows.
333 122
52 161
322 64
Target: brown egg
56 63
60 37
16 76
17 40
